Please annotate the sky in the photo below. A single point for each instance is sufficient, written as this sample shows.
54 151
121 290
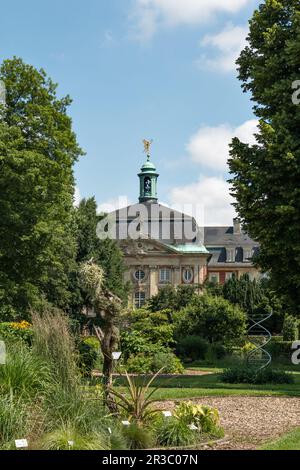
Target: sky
155 69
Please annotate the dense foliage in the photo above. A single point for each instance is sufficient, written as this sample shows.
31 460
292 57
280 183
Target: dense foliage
239 375
37 151
266 176
214 319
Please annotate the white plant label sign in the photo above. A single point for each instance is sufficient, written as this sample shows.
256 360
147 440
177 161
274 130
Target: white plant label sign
167 414
2 353
116 355
21 443
126 423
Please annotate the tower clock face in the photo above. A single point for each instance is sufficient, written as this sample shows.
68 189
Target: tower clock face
147 185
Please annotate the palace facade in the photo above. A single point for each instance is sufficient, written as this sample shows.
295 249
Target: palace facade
163 246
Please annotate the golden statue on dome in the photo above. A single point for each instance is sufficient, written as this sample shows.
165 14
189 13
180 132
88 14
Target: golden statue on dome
147 146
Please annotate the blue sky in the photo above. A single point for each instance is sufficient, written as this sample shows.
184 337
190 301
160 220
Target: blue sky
157 69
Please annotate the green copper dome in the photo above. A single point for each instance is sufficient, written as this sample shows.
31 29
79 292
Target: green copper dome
148 166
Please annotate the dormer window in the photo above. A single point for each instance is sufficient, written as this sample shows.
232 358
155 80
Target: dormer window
248 253
230 255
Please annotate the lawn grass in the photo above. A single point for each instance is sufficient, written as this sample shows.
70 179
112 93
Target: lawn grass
211 385
290 441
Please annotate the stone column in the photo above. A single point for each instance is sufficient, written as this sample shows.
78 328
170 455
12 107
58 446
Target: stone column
197 274
177 277
153 281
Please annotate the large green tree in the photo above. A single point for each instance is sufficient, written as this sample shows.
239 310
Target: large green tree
104 253
266 176
37 151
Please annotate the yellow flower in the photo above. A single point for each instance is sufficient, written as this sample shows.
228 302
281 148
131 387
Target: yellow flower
23 325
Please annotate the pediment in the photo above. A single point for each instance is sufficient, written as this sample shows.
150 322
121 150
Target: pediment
143 247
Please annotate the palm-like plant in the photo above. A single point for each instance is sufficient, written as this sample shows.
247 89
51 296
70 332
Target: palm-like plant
136 404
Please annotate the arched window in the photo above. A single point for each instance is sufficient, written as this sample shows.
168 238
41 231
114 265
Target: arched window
188 275
147 185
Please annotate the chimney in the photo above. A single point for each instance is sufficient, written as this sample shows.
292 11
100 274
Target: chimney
237 226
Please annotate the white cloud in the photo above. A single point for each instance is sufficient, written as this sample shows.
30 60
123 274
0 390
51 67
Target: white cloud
210 145
77 197
213 194
149 14
228 44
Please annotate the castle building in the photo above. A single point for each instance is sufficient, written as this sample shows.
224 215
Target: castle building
163 246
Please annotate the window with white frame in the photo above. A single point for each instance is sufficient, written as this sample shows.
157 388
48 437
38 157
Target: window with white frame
187 275
214 277
165 276
248 253
230 255
140 299
229 276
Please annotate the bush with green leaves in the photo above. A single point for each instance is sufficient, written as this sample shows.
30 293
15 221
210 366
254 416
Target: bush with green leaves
60 439
280 350
215 351
149 363
173 432
189 424
213 318
24 373
88 349
146 327
205 418
138 437
18 331
192 348
249 375
290 330
172 298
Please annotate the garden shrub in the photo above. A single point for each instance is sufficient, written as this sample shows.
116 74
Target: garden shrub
192 348
59 439
88 353
205 418
168 361
138 437
248 375
16 331
213 318
24 373
290 328
216 351
176 431
173 432
134 342
139 364
172 298
150 363
280 350
154 327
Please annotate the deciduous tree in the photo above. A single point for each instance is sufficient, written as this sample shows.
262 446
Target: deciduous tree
266 176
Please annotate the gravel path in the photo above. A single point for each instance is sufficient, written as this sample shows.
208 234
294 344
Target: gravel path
251 421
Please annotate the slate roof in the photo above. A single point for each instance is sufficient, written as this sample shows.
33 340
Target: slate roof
160 222
223 236
218 239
